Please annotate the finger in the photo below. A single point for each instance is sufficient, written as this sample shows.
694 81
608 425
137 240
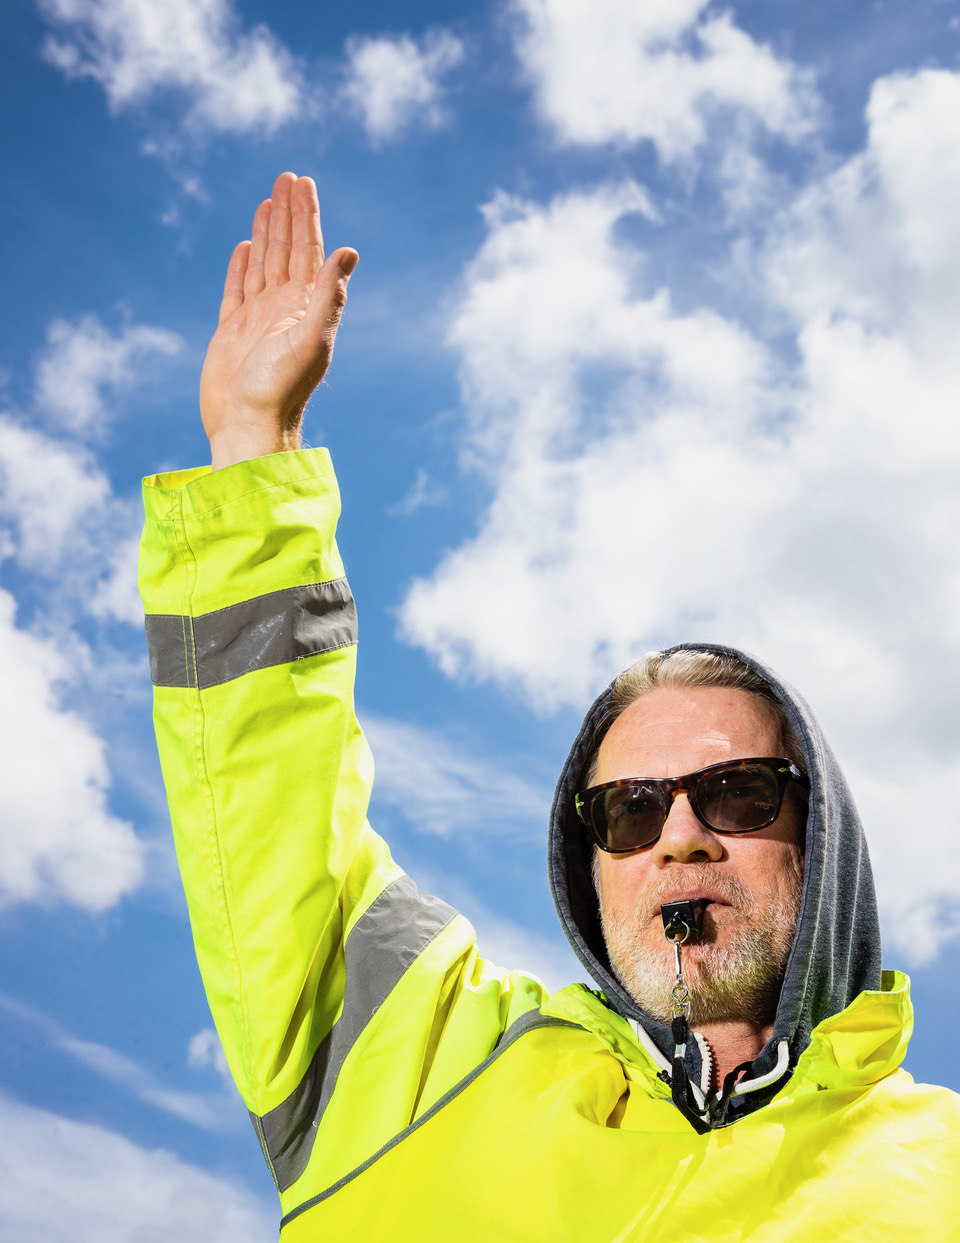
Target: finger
306 254
254 280
329 297
276 264
233 285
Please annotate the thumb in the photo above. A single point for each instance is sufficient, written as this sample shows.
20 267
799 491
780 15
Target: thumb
347 259
329 297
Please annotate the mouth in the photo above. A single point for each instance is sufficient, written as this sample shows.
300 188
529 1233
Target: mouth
708 899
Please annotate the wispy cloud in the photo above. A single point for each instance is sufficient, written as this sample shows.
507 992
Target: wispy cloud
206 1053
231 79
441 787
72 1180
422 493
507 943
210 1111
615 71
714 487
394 82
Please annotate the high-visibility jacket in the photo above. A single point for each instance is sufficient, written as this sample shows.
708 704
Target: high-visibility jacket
401 1086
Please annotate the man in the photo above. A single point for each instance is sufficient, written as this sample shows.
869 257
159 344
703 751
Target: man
402 1087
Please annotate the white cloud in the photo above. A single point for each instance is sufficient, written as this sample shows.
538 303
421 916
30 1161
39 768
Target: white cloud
205 1052
55 498
422 493
210 1111
615 71
234 80
116 596
83 359
64 524
394 82
49 492
707 488
71 1180
444 788
59 841
75 540
549 301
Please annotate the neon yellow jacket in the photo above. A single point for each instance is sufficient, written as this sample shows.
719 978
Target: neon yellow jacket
402 1087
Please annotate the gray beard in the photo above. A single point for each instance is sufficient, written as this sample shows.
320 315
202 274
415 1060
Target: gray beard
739 979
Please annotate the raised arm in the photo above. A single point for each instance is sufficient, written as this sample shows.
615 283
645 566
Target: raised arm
347 1001
278 320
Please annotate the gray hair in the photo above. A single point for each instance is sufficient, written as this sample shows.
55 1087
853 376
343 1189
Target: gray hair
685 670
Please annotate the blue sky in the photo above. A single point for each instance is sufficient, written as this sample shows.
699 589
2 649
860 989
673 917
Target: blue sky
652 338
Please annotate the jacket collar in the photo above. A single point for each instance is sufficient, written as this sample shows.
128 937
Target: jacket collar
859 1046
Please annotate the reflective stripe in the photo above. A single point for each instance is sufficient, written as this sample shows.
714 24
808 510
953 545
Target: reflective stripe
268 630
529 1021
382 945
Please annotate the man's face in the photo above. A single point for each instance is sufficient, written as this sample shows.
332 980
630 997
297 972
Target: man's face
751 881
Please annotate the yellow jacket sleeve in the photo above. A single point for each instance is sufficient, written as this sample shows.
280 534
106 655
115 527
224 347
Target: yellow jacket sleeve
347 1001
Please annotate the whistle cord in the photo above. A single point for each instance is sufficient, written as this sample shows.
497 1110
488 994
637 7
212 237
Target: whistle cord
678 931
681 1091
683 921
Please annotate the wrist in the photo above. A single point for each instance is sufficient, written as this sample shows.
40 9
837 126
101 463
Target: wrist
246 441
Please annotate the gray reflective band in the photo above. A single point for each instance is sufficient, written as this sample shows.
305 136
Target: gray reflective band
273 629
386 939
528 1022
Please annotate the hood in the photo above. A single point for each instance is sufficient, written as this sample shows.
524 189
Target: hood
836 947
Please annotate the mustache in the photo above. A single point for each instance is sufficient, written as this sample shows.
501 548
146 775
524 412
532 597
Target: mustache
698 876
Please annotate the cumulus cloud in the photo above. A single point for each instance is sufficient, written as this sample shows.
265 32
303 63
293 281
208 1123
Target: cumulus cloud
615 71
394 82
115 596
74 541
49 490
83 362
64 524
234 80
443 788
56 502
71 1180
60 841
799 503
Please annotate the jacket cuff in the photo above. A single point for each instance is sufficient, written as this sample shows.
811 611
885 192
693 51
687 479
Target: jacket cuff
195 492
213 539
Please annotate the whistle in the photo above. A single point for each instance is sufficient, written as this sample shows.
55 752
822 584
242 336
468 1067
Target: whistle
683 921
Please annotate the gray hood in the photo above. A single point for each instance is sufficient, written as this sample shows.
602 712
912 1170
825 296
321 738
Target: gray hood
836 948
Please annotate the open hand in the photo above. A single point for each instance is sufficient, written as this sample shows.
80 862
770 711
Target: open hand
281 307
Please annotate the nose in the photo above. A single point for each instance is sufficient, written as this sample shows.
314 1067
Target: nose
684 839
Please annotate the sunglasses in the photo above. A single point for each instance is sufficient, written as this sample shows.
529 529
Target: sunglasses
737 796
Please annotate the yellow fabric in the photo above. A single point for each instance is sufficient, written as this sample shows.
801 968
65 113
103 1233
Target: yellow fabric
567 1133
559 1140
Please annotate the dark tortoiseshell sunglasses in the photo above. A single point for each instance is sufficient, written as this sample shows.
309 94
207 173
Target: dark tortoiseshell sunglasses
737 796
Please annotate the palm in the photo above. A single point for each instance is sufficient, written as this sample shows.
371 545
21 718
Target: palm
278 320
253 357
